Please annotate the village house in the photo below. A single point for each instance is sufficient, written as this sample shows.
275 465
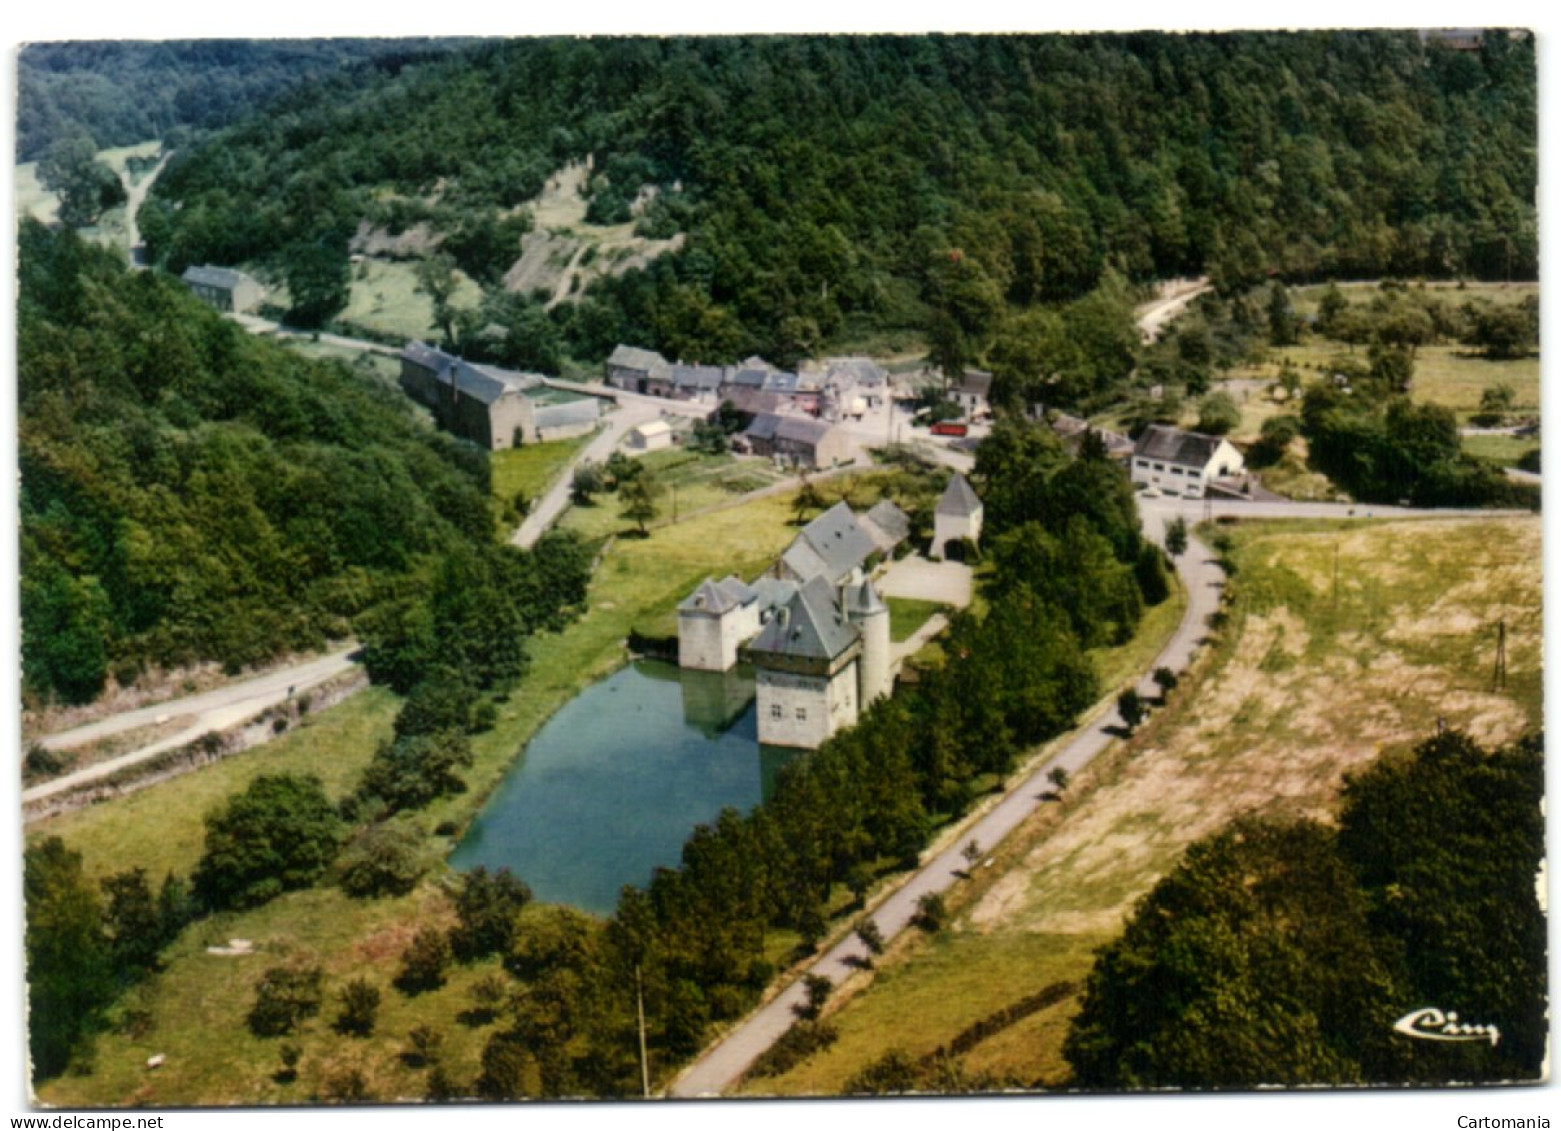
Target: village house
796 440
631 369
694 382
956 519
973 394
492 407
224 289
1071 430
1183 463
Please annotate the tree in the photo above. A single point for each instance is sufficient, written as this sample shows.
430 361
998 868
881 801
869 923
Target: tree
281 833
932 914
436 279
359 1007
818 990
868 932
319 281
1166 680
486 905
132 922
1058 776
1329 307
383 859
86 186
587 483
1176 537
285 996
1250 964
1391 366
639 497
1131 708
425 1046
424 961
1503 331
1495 403
1446 842
1218 414
410 773
69 976
808 499
1282 322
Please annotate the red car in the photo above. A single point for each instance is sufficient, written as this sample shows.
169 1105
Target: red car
949 428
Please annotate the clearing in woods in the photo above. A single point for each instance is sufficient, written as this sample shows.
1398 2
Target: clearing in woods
1302 689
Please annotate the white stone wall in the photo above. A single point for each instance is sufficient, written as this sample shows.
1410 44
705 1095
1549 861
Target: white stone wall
802 711
952 527
701 644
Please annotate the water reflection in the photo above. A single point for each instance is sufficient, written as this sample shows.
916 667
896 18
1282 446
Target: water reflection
611 786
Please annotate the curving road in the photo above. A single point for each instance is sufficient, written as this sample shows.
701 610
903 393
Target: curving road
209 711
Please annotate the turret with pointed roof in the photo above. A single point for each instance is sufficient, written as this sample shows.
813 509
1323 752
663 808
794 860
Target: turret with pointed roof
957 518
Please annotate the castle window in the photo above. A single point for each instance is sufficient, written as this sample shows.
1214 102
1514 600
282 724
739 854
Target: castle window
802 714
775 710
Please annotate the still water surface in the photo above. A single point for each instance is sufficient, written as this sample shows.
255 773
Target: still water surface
612 784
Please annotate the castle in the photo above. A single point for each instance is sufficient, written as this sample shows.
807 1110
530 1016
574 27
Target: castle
814 629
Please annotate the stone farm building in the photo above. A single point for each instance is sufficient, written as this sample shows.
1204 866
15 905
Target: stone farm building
223 288
815 629
492 407
831 389
1183 463
973 394
797 440
957 518
652 436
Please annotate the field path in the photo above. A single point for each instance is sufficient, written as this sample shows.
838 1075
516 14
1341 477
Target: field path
136 194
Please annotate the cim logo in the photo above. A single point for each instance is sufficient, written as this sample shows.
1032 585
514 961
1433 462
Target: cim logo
1434 1025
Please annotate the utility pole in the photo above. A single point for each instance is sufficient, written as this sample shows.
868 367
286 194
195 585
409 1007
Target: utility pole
1500 682
639 999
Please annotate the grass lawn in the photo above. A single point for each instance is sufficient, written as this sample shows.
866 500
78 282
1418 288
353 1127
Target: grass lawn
690 482
529 470
382 366
32 199
1298 690
1505 450
194 1010
385 298
907 614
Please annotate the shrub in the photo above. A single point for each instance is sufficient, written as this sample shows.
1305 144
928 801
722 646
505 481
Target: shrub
279 834
383 859
359 1007
285 996
424 962
932 913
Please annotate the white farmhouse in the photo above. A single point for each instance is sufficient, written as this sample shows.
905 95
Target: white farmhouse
652 436
1183 463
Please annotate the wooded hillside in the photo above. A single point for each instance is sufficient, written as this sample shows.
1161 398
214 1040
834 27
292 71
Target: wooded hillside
841 184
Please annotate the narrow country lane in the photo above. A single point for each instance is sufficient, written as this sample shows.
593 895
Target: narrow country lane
209 711
135 195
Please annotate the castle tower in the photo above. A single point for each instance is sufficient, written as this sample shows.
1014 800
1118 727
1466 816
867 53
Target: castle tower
875 671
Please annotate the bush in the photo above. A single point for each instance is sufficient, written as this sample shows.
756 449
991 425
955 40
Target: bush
424 961
359 1007
280 834
383 859
285 996
795 1045
932 913
893 1073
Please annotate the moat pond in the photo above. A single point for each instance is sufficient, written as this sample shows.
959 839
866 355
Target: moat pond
610 787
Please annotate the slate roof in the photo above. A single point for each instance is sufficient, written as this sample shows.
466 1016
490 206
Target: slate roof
751 401
633 357
977 382
811 626
1172 445
863 600
718 597
772 592
763 426
834 539
486 383
223 277
748 378
780 383
886 524
703 377
801 430
958 498
862 371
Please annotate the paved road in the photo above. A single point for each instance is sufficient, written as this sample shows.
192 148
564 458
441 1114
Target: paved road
209 711
552 503
258 325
